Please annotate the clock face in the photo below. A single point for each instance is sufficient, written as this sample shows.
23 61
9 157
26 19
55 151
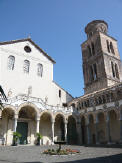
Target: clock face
27 49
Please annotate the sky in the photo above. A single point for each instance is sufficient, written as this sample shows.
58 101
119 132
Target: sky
57 26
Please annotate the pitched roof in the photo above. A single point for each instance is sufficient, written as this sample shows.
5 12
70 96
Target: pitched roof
63 89
28 39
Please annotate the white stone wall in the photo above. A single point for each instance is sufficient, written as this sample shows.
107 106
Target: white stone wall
18 82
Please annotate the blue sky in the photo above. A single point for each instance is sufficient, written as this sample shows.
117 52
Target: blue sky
57 26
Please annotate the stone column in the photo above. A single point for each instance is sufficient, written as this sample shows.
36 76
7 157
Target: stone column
0 113
53 131
96 130
65 123
79 131
121 127
88 133
15 122
37 125
14 128
108 129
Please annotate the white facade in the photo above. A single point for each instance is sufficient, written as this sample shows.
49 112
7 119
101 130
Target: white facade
16 82
34 99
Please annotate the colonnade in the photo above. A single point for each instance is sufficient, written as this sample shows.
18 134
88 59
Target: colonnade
89 128
27 114
38 127
108 131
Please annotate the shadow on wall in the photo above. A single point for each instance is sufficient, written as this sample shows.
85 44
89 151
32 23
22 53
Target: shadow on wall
108 159
68 98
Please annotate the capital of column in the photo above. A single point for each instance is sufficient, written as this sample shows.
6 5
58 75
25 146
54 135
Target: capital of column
38 118
65 122
53 121
16 116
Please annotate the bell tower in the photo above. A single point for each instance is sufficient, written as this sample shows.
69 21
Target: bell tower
101 59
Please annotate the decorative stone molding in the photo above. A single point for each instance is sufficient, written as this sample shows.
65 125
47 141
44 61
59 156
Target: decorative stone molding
117 104
37 103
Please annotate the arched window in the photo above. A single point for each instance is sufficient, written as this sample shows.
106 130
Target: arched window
112 48
89 49
39 69
26 66
116 71
91 73
108 47
11 62
82 105
93 49
95 71
100 100
113 72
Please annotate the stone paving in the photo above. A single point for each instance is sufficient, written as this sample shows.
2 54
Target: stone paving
33 154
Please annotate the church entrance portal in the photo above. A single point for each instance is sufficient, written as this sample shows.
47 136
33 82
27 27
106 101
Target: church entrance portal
22 128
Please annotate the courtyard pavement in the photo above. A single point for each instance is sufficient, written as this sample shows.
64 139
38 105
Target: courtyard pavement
33 154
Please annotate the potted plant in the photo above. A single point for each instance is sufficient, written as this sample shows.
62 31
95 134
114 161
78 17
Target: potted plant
16 136
39 137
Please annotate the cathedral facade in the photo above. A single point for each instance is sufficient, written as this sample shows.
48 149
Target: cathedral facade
37 104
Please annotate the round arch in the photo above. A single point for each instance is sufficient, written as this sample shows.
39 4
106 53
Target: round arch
100 116
114 126
71 130
114 110
45 127
72 115
6 123
91 118
101 127
61 114
28 105
10 107
59 127
83 128
49 113
91 124
26 124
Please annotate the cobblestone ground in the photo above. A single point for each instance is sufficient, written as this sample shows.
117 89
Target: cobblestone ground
33 154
